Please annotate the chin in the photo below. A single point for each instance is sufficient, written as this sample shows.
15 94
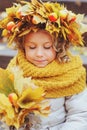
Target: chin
41 66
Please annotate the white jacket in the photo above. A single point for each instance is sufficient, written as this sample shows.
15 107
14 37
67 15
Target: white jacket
69 113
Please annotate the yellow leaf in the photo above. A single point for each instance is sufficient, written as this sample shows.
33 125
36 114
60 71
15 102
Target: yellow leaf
12 37
44 107
63 32
21 81
30 96
5 32
6 106
7 86
24 33
38 19
22 115
3 23
11 12
83 28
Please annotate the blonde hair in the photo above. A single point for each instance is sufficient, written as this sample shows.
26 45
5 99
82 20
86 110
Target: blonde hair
61 46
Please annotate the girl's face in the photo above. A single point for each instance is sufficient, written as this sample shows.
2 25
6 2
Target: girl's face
39 48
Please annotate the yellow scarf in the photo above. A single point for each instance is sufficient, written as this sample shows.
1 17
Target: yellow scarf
57 79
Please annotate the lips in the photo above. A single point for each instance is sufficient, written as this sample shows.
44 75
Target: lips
40 61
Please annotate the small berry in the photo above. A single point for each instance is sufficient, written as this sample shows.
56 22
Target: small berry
53 17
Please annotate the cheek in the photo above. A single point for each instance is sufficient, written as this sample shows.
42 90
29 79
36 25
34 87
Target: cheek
27 54
51 54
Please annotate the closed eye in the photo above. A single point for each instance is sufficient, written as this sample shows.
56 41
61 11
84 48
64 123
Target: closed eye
47 47
31 47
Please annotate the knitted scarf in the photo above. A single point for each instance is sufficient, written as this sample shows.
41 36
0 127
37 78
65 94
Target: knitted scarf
57 79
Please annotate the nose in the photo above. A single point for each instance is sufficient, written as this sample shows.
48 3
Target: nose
39 52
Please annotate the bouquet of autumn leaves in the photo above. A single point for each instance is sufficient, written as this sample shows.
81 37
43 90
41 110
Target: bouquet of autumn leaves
18 97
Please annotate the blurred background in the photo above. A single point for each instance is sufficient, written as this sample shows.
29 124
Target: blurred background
77 6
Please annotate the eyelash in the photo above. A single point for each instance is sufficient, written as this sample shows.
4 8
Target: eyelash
32 47
48 47
44 47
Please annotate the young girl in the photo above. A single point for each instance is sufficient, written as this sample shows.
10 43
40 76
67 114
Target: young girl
43 55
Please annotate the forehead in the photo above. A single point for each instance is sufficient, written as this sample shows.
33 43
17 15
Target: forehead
40 35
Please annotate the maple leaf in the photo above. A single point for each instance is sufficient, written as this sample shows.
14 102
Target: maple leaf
6 83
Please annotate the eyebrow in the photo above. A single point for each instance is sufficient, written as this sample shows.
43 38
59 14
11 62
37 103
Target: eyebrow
35 42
